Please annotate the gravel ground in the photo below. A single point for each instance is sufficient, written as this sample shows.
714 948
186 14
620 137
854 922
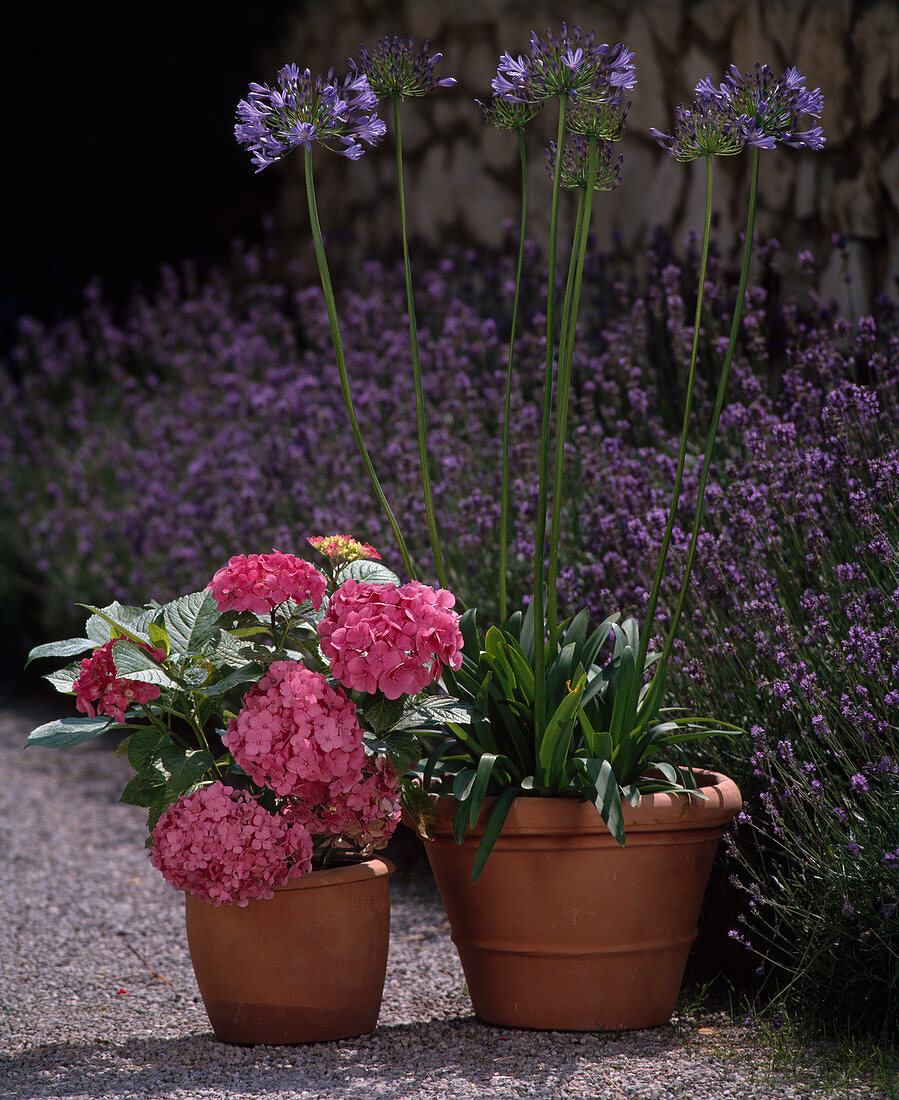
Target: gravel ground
98 999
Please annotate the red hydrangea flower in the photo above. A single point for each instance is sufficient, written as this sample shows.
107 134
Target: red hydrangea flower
260 582
100 690
395 639
221 845
366 815
297 734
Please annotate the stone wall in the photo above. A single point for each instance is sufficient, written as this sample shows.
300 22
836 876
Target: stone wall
462 177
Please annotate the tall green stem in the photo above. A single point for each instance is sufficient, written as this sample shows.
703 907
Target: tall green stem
719 403
504 506
420 420
563 388
331 307
685 430
543 467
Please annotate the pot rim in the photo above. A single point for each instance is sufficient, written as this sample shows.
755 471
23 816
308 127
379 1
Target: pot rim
654 812
376 867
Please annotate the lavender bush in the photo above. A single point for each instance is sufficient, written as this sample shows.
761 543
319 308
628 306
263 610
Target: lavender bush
139 449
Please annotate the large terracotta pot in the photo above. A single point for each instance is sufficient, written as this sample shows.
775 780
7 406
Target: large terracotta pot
565 929
307 965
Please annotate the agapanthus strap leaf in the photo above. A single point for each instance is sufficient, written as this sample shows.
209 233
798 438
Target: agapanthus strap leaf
65 732
606 796
492 829
486 766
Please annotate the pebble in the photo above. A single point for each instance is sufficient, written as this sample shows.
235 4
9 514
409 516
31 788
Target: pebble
98 998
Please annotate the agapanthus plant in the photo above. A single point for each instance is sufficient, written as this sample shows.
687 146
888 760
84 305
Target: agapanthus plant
258 755
557 707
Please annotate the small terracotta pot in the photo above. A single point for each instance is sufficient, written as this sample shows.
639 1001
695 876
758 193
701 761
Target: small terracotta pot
565 929
307 965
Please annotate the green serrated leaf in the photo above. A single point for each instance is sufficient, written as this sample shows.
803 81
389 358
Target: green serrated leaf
116 620
381 714
140 791
185 769
371 572
192 621
159 637
68 648
65 732
133 662
64 678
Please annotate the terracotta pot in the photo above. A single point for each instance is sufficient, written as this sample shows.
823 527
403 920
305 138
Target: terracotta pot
564 929
305 966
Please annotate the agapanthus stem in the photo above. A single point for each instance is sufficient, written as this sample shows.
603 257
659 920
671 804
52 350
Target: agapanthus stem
719 404
543 467
420 419
505 494
331 306
685 430
563 386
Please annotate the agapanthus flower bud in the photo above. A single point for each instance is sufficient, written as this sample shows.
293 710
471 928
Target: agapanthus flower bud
767 107
595 116
304 109
575 164
506 114
706 128
395 68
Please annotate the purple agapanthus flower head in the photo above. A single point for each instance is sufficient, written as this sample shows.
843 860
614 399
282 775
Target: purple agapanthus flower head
603 118
567 63
705 128
575 164
395 68
768 107
303 109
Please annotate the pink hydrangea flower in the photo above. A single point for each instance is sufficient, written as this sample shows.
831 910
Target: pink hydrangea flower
342 548
100 690
297 734
365 816
221 845
395 639
261 582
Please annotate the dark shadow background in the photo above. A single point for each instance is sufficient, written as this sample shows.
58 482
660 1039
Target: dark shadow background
119 142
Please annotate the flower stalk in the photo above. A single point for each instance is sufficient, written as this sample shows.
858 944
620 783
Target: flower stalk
340 359
420 417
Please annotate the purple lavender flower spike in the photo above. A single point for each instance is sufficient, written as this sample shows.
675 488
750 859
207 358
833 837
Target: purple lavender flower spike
395 68
301 110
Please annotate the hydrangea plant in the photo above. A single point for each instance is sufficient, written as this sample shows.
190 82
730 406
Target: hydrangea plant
269 718
552 711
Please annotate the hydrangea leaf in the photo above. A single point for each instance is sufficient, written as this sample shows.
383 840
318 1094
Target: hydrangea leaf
68 648
65 732
191 621
371 572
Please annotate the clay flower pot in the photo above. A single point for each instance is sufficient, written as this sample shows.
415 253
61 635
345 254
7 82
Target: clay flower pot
565 929
307 965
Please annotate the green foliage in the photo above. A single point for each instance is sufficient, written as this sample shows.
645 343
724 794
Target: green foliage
604 728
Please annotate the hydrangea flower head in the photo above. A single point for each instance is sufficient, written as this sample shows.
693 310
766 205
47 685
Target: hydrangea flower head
342 549
303 109
100 690
567 63
705 128
221 845
297 734
768 107
575 165
395 69
395 639
262 582
365 816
